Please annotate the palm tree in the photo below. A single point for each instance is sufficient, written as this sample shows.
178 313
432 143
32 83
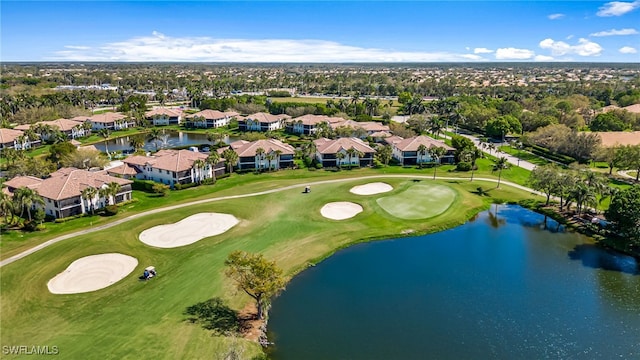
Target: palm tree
7 207
435 126
277 154
351 153
422 151
89 194
154 136
213 160
384 154
136 142
339 157
231 158
214 137
270 157
259 157
500 164
435 153
105 133
471 155
26 199
198 165
110 192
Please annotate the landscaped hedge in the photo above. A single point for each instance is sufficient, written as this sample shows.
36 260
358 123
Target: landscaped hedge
143 185
540 151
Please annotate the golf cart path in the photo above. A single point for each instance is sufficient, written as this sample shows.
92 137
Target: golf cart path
230 197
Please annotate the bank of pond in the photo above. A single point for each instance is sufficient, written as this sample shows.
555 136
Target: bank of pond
510 283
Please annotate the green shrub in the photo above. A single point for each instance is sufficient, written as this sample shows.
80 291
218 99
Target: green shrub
463 166
110 210
143 185
318 165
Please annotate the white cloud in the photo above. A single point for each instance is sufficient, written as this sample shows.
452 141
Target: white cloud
583 48
614 32
544 58
617 8
627 50
161 47
472 57
555 16
482 51
77 47
513 54
569 37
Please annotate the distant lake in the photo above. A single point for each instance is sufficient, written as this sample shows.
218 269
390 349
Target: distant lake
502 286
172 139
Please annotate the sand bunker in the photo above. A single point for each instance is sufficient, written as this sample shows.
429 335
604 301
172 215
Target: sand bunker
92 273
371 188
340 210
188 230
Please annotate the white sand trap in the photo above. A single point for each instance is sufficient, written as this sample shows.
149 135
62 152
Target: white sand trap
371 188
188 230
340 210
92 273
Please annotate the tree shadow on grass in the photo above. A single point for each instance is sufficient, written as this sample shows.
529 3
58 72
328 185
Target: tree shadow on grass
216 316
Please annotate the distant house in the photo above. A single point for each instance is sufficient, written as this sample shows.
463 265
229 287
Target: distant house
339 152
209 119
263 154
308 124
164 116
111 121
170 167
16 139
406 150
62 192
262 122
71 128
369 127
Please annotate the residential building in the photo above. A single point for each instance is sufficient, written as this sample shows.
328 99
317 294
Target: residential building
71 128
262 122
170 167
308 124
113 121
164 116
263 154
16 139
343 151
209 119
369 127
406 150
62 192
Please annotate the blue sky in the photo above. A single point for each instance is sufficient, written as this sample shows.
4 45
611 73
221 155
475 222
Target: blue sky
320 31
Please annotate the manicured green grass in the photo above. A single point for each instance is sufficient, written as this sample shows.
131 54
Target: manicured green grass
418 201
524 155
144 320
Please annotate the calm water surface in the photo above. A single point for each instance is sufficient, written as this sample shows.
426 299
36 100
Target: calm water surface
498 287
171 139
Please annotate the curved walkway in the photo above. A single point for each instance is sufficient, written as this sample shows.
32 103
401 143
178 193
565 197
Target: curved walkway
204 201
625 173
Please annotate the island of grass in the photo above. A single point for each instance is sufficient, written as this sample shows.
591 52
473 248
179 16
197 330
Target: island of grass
136 319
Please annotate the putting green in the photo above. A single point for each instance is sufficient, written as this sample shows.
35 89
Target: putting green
420 201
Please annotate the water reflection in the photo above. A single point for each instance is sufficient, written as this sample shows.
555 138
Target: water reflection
169 139
597 257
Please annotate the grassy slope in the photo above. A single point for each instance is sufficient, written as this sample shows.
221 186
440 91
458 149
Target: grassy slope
144 320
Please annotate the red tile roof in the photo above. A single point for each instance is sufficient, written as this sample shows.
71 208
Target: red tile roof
172 160
263 117
106 118
327 146
163 111
66 182
9 135
245 148
412 144
211 114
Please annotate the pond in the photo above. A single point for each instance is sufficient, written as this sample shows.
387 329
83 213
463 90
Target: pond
509 284
170 140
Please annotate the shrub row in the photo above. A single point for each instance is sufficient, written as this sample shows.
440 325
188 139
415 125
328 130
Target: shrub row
540 151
